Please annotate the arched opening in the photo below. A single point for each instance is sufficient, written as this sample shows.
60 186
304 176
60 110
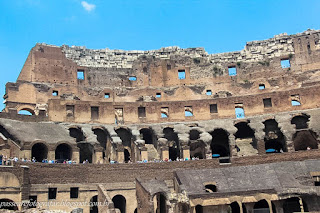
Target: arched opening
76 133
199 209
234 207
147 135
294 204
8 204
126 155
261 207
94 204
274 139
86 151
244 209
39 151
173 143
125 136
136 210
210 188
26 111
194 134
304 140
119 203
103 137
220 143
301 121
159 201
245 139
197 149
63 152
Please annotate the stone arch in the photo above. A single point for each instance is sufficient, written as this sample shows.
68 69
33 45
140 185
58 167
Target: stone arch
194 134
274 139
25 109
39 151
125 136
86 151
220 145
119 202
300 121
104 139
148 136
173 143
63 151
199 209
160 202
94 204
305 139
77 133
261 206
293 204
8 204
235 207
245 139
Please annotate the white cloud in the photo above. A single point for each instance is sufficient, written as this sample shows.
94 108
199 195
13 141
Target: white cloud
88 7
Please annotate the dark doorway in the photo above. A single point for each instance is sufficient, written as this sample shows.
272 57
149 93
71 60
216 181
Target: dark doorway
126 156
86 151
63 152
199 209
293 205
120 203
147 135
94 204
173 143
274 139
220 143
8 204
235 208
305 139
39 152
261 207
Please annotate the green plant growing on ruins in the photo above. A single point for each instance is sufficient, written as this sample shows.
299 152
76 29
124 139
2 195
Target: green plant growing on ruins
246 81
264 63
239 64
290 55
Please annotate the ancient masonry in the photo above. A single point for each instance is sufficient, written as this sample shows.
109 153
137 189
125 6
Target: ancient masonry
165 131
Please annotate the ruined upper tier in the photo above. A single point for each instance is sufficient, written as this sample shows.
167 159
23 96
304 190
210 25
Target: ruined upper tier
83 85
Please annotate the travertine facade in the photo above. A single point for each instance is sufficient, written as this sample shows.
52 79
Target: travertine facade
250 117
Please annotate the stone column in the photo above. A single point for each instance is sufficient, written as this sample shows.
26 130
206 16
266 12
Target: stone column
75 154
98 156
144 153
186 152
51 155
164 153
120 154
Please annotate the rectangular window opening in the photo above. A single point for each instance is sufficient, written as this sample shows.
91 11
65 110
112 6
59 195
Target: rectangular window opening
55 93
158 95
213 108
106 95
168 66
232 71
141 112
80 75
262 86
209 92
52 193
164 112
239 110
267 102
94 113
188 112
317 183
132 78
70 110
182 74
32 201
285 63
74 192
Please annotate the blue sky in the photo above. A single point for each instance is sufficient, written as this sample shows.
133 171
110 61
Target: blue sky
218 26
